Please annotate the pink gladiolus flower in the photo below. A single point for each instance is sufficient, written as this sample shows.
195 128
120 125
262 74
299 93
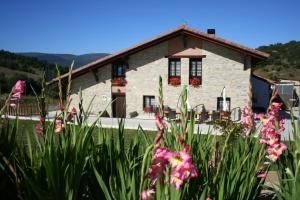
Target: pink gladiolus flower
74 111
160 122
180 163
40 126
71 114
208 198
271 131
176 180
247 121
19 87
263 175
182 168
159 162
59 126
17 91
178 159
148 194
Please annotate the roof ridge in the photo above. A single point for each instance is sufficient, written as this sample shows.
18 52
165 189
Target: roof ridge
160 38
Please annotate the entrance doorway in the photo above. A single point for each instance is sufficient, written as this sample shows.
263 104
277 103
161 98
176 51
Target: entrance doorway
119 105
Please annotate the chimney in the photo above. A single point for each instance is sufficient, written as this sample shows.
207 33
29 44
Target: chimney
211 31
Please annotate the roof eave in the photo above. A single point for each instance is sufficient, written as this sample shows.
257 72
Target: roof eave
181 29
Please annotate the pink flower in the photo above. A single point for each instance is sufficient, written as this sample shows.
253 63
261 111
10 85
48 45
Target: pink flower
180 163
263 175
148 194
271 131
17 91
178 159
158 165
276 150
208 198
71 114
74 111
247 121
182 168
19 87
176 180
59 126
160 122
40 126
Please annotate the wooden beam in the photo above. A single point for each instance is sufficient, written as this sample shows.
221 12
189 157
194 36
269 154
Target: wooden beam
185 56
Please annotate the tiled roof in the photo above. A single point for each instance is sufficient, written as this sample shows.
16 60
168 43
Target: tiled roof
160 38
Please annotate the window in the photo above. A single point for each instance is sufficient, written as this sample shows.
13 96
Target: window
195 67
174 72
119 70
220 103
195 72
174 67
149 103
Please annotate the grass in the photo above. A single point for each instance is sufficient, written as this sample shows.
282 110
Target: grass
10 72
130 134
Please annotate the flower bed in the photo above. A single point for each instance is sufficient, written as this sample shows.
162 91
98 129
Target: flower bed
65 161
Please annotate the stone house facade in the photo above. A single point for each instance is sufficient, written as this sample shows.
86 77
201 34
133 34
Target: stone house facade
201 61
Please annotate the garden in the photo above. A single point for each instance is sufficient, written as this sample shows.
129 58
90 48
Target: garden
61 159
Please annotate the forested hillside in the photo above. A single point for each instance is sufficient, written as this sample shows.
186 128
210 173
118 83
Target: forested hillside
65 60
284 62
14 67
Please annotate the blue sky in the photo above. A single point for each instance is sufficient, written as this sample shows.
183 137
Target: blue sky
78 27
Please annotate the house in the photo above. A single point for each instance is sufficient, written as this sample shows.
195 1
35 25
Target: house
184 56
288 91
262 90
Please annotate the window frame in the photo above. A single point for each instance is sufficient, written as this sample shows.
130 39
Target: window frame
151 99
196 70
170 61
116 66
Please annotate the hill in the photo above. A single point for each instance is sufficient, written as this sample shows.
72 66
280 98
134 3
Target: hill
14 67
284 62
65 60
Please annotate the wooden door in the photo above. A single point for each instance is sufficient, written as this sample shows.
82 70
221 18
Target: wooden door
119 105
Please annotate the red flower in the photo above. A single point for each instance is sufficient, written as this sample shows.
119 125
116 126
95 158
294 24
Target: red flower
119 81
174 81
148 109
195 81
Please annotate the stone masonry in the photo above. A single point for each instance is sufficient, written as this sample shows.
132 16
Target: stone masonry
221 67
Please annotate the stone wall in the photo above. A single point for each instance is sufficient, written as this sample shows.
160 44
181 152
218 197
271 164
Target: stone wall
221 67
92 89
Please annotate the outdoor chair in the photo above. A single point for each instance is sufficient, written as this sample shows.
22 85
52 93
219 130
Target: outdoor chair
235 114
199 111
